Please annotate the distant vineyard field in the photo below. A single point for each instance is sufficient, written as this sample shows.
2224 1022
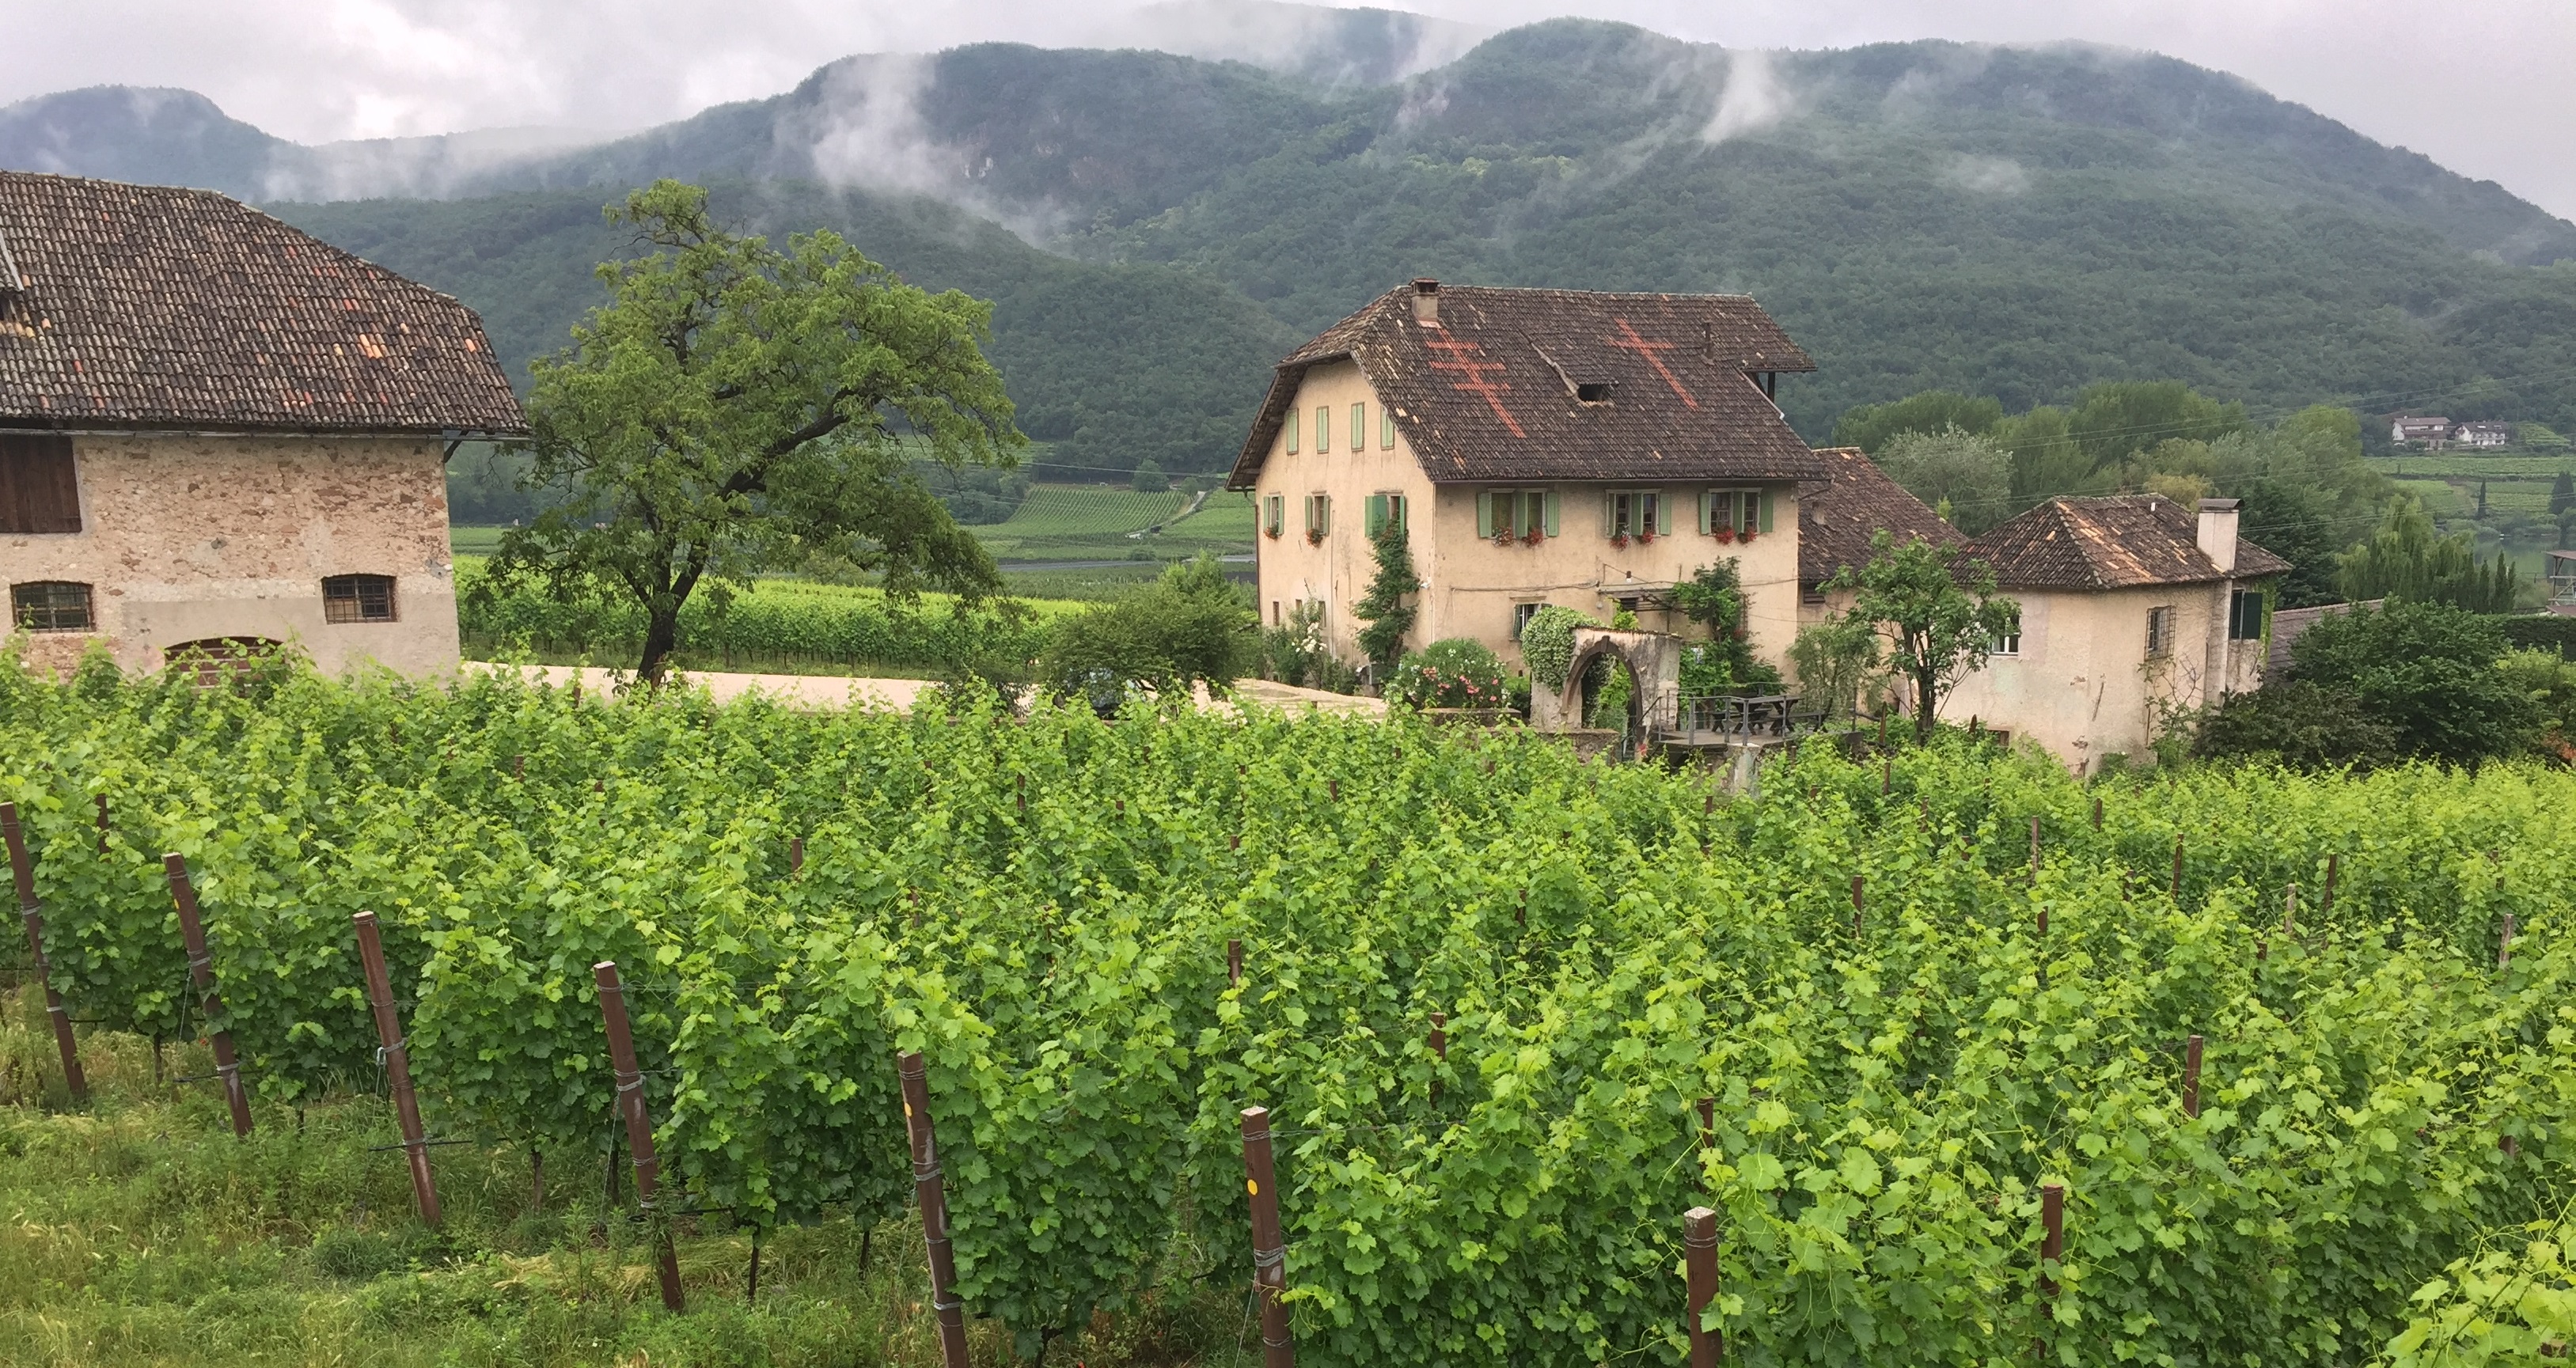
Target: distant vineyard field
1486 992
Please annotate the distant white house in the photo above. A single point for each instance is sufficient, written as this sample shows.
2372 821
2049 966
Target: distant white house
2408 429
2487 434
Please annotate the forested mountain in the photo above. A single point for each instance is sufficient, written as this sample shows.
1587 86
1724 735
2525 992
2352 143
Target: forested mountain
1155 229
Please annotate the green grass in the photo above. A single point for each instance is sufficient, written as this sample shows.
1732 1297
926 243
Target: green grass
2449 465
1065 522
140 1232
1091 522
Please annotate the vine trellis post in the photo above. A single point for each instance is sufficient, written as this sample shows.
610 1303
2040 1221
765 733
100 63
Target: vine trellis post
32 913
201 972
639 1123
397 1057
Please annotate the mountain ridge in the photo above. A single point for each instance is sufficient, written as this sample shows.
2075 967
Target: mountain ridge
2013 220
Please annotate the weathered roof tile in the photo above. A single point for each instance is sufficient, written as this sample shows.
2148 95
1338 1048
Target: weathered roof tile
1857 499
2119 542
154 307
1491 392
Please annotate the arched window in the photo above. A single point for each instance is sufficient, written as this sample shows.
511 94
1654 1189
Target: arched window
358 598
52 606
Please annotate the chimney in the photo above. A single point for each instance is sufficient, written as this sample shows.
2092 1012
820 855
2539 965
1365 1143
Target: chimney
2218 532
1426 301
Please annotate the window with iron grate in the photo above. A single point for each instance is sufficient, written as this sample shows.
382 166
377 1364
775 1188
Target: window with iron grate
358 598
51 606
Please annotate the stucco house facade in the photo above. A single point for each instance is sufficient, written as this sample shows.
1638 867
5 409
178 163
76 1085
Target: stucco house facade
2132 608
217 431
1539 447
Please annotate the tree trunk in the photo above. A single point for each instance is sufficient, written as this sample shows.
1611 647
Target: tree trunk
661 634
1926 706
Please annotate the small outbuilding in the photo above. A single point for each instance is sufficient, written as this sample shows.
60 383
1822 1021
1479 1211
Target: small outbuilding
218 432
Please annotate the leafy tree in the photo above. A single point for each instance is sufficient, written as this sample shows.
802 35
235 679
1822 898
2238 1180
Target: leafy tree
1383 607
1965 476
2046 460
1150 479
1871 427
2405 559
2539 437
1191 626
1713 597
739 408
2562 494
1836 659
2428 670
2113 421
1941 615
2298 724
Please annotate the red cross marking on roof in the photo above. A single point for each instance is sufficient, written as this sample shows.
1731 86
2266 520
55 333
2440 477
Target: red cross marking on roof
1465 359
1630 341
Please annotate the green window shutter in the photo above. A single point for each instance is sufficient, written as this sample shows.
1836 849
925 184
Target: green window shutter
1609 513
1706 497
1485 514
1324 514
1403 513
1373 515
1385 428
1551 513
1292 432
1359 427
1664 513
1323 428
1764 501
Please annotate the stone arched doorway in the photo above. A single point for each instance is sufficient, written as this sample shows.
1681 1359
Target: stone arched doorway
1653 660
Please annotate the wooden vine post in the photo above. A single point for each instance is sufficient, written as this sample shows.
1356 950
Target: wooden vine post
380 1002
2177 877
1857 887
2504 943
795 856
2052 1249
32 913
1699 1247
201 972
101 800
2334 866
2191 1077
2097 813
930 1190
2290 911
1269 1250
639 1124
1233 963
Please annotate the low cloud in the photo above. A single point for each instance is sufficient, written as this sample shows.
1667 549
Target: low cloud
1756 98
1986 175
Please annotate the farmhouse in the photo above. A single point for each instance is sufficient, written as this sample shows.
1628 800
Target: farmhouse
218 431
1540 447
2132 606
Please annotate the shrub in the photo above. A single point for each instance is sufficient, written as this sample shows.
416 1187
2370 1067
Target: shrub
1547 643
1150 479
2428 670
1455 673
2297 724
1191 626
2542 633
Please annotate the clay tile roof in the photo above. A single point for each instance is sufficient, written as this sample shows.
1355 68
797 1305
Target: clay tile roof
1837 518
2121 542
1492 392
152 307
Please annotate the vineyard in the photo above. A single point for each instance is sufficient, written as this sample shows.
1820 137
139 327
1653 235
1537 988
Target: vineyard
1488 995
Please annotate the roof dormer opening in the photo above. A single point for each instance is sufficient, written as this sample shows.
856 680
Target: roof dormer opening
1595 391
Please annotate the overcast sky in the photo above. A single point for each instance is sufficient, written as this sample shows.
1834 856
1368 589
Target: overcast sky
2486 87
